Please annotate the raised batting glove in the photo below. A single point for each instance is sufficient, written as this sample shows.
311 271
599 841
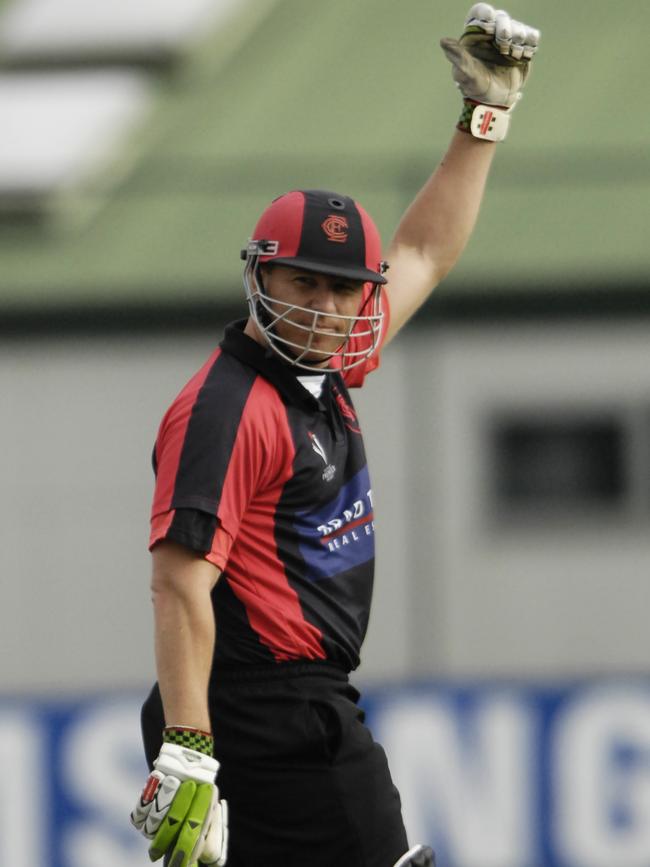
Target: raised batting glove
490 64
179 809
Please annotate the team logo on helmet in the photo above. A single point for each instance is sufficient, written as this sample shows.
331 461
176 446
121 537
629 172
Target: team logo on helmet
336 228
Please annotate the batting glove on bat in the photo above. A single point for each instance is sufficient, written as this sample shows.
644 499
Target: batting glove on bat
179 809
490 65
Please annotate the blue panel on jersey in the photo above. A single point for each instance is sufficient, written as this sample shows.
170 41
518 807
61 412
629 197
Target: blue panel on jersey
340 535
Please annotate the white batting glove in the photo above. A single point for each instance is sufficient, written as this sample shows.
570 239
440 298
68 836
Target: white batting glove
490 64
179 809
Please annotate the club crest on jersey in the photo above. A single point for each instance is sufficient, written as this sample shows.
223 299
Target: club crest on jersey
336 228
330 470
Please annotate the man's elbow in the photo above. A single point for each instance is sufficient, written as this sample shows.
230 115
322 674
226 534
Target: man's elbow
178 573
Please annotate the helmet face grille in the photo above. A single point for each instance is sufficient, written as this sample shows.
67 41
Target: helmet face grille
360 334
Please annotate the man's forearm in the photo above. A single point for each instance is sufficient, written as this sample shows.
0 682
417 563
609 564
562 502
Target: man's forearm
179 810
436 227
440 220
184 641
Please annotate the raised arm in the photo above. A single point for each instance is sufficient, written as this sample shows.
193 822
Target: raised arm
436 227
490 64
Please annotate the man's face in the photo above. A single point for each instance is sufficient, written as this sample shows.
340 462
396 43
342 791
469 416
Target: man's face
324 298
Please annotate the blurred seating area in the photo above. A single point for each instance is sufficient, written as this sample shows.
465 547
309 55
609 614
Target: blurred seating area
78 80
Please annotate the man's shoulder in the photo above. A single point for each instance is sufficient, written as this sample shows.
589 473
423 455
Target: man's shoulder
224 382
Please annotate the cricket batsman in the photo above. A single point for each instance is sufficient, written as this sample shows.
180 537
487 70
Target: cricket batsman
262 525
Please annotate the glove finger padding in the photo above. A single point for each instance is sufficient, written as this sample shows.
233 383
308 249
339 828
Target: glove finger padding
214 843
142 809
491 61
190 835
171 825
496 83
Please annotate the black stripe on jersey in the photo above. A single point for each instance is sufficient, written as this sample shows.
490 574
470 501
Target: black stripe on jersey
314 243
339 606
268 363
237 643
193 529
211 433
344 623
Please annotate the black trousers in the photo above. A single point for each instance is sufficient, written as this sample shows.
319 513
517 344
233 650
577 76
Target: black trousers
305 782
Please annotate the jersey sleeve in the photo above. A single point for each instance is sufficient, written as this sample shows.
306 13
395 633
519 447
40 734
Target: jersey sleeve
355 377
211 457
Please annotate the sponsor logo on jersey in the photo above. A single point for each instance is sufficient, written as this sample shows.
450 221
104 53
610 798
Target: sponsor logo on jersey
336 228
339 535
330 470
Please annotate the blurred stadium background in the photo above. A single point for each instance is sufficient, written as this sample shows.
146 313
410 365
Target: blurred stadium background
506 668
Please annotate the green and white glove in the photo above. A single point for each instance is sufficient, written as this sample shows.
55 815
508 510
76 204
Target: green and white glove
490 64
179 809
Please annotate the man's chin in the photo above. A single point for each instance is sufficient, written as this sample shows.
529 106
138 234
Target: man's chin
318 352
323 354
318 359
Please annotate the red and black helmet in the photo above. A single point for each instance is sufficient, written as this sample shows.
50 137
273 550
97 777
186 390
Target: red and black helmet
327 233
320 231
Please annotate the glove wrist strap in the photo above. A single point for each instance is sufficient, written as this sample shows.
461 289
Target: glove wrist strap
191 738
487 122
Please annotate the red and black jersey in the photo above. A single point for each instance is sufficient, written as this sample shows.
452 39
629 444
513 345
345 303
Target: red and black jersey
271 484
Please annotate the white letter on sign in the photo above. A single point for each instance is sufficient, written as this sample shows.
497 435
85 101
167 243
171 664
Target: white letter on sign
601 760
103 763
22 794
464 778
